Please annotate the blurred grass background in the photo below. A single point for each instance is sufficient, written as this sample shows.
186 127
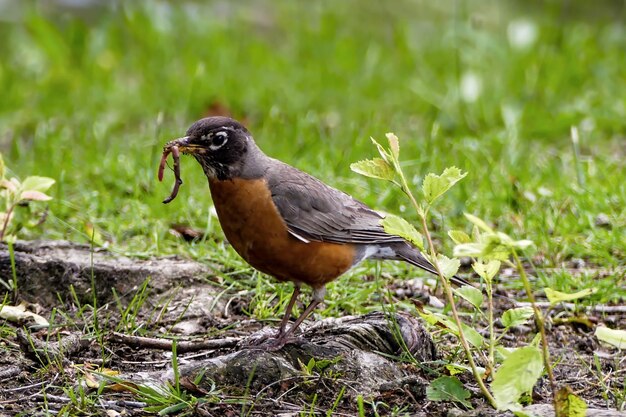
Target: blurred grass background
92 90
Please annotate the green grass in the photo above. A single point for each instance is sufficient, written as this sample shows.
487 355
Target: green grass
90 100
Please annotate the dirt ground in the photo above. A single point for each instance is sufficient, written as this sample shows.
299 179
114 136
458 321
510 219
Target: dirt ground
66 379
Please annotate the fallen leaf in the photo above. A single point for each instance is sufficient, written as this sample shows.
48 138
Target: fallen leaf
19 314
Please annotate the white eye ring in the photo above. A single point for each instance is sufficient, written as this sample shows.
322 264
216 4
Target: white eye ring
223 135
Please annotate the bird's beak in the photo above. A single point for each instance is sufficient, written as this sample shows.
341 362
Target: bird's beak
183 145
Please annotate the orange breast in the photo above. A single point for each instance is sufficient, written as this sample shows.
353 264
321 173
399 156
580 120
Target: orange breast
255 229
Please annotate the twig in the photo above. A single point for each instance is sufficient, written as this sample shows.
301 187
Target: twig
51 398
49 351
166 344
59 399
122 404
25 387
572 306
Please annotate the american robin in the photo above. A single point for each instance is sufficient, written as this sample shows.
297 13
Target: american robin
283 221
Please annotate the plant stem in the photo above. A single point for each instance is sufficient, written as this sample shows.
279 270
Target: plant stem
540 324
13 272
492 336
447 290
5 225
457 319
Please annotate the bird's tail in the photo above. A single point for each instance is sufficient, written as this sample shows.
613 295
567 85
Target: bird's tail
412 255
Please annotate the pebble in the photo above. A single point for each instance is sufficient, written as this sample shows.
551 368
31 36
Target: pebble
188 327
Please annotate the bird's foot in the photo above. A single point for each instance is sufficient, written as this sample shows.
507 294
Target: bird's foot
279 342
270 340
274 344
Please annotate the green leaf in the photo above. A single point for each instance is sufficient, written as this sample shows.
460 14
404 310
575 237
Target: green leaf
503 352
310 365
448 266
613 337
386 156
448 388
492 246
472 295
395 225
492 268
94 235
459 236
32 195
373 168
558 296
517 375
569 404
394 144
10 185
478 223
35 183
2 167
455 369
428 317
323 364
473 337
522 244
516 316
435 186
487 270
174 408
476 235
473 250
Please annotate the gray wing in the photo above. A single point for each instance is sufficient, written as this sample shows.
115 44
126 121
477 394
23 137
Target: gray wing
313 211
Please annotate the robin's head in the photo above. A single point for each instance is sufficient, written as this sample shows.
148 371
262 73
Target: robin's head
220 144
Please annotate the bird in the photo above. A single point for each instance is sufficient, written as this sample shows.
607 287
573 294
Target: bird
283 221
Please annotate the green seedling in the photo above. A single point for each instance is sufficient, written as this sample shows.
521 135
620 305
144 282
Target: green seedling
489 248
14 193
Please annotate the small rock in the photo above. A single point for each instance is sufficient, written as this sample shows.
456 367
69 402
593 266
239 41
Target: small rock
455 412
188 327
578 263
435 302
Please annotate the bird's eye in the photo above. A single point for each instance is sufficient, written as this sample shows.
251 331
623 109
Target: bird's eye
219 139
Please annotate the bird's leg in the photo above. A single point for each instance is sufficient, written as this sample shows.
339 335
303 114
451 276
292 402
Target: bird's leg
318 297
284 335
287 316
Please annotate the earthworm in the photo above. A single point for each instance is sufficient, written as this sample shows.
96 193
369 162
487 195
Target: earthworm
176 157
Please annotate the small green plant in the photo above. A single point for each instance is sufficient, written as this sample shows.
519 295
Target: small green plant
14 193
387 167
129 314
81 400
489 248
